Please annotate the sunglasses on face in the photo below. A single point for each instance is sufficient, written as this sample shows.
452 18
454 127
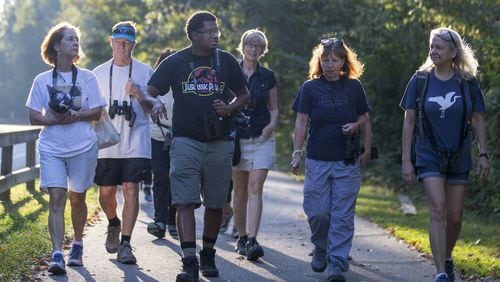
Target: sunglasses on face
124 30
447 32
327 42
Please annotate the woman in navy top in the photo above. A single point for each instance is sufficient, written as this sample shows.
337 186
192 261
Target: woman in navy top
331 108
450 100
257 143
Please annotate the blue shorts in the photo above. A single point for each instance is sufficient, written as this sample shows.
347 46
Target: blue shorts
450 177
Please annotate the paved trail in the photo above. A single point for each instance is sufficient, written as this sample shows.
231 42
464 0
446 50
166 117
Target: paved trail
284 235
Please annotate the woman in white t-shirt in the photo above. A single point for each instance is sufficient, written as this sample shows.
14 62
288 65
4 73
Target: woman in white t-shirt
64 101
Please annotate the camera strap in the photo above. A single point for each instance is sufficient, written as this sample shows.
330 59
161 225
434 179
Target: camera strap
111 79
74 74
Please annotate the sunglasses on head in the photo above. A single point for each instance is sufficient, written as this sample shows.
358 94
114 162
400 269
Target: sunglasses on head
447 32
327 42
124 30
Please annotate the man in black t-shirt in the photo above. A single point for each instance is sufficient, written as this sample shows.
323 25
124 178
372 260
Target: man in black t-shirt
200 77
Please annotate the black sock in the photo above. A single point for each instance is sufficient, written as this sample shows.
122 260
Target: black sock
244 238
208 242
114 221
125 238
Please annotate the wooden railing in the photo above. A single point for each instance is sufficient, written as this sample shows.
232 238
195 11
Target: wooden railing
9 136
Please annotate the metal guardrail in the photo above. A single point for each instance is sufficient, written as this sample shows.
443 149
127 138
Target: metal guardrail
11 135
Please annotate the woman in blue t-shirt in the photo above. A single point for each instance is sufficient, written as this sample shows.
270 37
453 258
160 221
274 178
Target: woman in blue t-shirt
256 143
331 107
450 98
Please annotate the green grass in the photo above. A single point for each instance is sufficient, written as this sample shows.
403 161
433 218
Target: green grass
24 236
477 252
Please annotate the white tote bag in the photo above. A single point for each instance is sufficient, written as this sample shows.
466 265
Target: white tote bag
104 129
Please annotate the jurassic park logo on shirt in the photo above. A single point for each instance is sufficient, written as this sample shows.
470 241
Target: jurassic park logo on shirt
203 82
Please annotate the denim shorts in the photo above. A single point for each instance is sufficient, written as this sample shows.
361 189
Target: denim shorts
198 168
76 172
450 177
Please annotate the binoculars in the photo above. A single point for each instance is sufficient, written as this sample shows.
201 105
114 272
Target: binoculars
125 109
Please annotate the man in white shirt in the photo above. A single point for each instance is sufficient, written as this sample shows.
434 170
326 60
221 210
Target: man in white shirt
127 162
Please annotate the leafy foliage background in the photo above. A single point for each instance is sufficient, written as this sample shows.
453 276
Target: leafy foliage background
390 37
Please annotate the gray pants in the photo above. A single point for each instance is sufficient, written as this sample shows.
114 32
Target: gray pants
330 192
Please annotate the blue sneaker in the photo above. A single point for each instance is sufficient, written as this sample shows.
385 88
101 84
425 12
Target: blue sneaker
75 256
57 265
441 277
449 267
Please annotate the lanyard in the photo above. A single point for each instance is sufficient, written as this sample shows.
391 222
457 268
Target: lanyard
74 73
111 77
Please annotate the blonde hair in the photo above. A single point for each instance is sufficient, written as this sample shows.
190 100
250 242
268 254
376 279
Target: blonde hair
53 37
352 67
251 36
465 64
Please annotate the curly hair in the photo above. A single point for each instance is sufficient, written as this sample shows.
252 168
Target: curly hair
53 37
195 21
465 63
352 67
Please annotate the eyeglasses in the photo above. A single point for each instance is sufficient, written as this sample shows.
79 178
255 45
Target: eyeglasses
447 32
327 42
212 32
256 46
124 30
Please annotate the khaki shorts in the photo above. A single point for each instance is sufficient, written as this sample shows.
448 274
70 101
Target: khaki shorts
257 154
198 168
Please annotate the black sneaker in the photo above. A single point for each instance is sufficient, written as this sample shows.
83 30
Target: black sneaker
241 246
155 229
318 262
207 263
253 249
190 268
449 267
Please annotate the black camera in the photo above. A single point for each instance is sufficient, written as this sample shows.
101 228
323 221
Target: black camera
447 160
351 149
125 109
239 119
214 127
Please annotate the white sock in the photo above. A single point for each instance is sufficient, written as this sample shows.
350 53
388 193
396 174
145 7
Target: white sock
79 243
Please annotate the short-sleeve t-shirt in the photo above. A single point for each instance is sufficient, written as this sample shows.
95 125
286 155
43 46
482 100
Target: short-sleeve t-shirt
444 112
259 84
329 104
135 141
195 84
66 140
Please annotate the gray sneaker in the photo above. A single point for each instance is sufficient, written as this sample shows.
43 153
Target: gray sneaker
113 239
125 254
